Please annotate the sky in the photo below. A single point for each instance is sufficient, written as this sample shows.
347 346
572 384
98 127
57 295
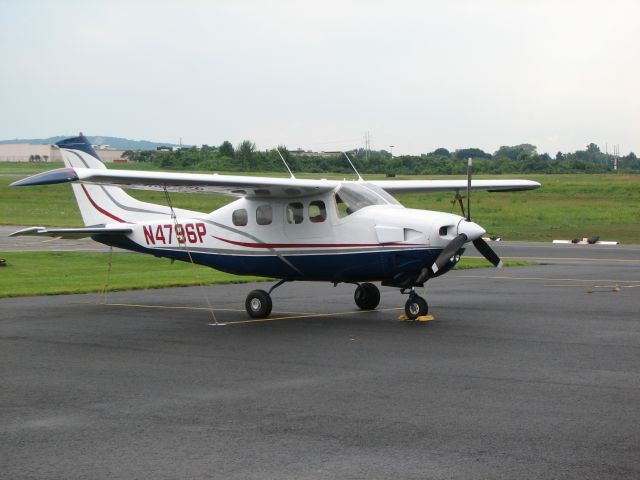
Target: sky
417 75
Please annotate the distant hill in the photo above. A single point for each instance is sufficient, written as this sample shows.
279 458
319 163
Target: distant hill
114 142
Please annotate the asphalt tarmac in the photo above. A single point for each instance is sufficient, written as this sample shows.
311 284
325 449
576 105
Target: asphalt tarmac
522 374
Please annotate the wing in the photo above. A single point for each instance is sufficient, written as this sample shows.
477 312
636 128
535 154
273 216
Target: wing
417 186
239 186
71 232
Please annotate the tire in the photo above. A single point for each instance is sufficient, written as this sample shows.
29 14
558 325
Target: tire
367 296
416 307
258 304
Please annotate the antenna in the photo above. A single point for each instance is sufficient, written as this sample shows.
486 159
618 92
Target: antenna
354 168
285 163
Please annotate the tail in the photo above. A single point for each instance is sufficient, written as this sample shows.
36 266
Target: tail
101 204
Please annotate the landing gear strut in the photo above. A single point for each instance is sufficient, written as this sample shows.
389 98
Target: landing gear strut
258 303
416 306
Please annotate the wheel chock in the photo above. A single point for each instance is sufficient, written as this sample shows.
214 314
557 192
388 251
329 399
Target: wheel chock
423 318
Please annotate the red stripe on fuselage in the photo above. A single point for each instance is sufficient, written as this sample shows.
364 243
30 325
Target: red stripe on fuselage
314 245
100 209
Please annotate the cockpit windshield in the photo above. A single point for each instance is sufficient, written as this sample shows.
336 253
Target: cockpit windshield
351 197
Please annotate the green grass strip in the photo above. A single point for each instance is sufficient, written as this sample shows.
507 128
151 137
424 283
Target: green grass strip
467 263
57 273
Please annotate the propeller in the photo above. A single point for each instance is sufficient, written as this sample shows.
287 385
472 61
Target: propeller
449 251
487 252
467 231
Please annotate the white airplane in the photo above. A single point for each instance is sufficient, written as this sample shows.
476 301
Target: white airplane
285 228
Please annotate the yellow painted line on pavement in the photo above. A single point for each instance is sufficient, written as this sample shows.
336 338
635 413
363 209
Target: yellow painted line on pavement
311 315
284 315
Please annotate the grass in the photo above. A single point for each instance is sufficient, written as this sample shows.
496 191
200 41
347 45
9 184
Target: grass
467 263
57 273
567 206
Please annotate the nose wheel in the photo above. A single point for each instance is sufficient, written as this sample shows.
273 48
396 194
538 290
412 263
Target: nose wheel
416 306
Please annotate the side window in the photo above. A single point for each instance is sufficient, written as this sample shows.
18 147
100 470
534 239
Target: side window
294 212
264 215
317 211
240 217
343 210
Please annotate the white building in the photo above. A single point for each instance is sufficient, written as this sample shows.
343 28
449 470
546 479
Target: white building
27 152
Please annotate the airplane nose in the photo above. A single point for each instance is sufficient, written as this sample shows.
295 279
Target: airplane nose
472 230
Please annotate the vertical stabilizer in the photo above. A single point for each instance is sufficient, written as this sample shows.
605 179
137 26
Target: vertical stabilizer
101 204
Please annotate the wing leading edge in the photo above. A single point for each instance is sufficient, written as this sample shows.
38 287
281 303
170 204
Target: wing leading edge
234 185
418 186
249 186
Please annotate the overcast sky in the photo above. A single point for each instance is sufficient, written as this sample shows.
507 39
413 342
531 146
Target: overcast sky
317 75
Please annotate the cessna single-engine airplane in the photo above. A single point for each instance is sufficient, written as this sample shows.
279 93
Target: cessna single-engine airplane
286 228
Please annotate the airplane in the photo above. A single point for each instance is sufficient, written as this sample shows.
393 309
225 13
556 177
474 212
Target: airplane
290 229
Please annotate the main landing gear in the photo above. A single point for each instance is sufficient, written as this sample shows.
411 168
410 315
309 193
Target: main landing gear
367 296
258 303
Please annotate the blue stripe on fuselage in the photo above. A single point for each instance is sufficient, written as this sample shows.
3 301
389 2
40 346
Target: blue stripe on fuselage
379 265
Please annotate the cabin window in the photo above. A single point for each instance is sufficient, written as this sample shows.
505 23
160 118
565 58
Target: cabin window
317 211
240 217
351 197
343 210
295 212
264 215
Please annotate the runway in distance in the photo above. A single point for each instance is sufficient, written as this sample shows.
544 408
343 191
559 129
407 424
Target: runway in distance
286 228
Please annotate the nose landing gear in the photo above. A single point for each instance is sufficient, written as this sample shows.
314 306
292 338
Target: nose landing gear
416 306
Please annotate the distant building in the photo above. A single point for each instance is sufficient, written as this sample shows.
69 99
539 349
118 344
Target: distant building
27 152
309 153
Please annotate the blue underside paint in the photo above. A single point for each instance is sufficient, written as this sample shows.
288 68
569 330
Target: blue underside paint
345 267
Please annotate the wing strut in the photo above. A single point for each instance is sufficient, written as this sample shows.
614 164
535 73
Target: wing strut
186 248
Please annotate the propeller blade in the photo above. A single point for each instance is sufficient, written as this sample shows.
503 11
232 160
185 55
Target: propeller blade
449 251
487 252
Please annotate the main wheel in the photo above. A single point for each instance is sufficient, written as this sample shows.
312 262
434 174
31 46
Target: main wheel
258 304
367 296
416 307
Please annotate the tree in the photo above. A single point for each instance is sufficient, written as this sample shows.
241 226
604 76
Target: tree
440 152
593 148
465 153
244 153
226 149
516 151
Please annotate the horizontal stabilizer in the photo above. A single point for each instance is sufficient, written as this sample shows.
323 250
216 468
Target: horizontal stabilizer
71 232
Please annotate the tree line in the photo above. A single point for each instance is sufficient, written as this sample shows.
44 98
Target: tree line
522 158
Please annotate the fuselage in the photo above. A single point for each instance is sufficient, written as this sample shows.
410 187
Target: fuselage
352 234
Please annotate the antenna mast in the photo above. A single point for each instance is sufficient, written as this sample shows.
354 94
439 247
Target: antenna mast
352 166
285 163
